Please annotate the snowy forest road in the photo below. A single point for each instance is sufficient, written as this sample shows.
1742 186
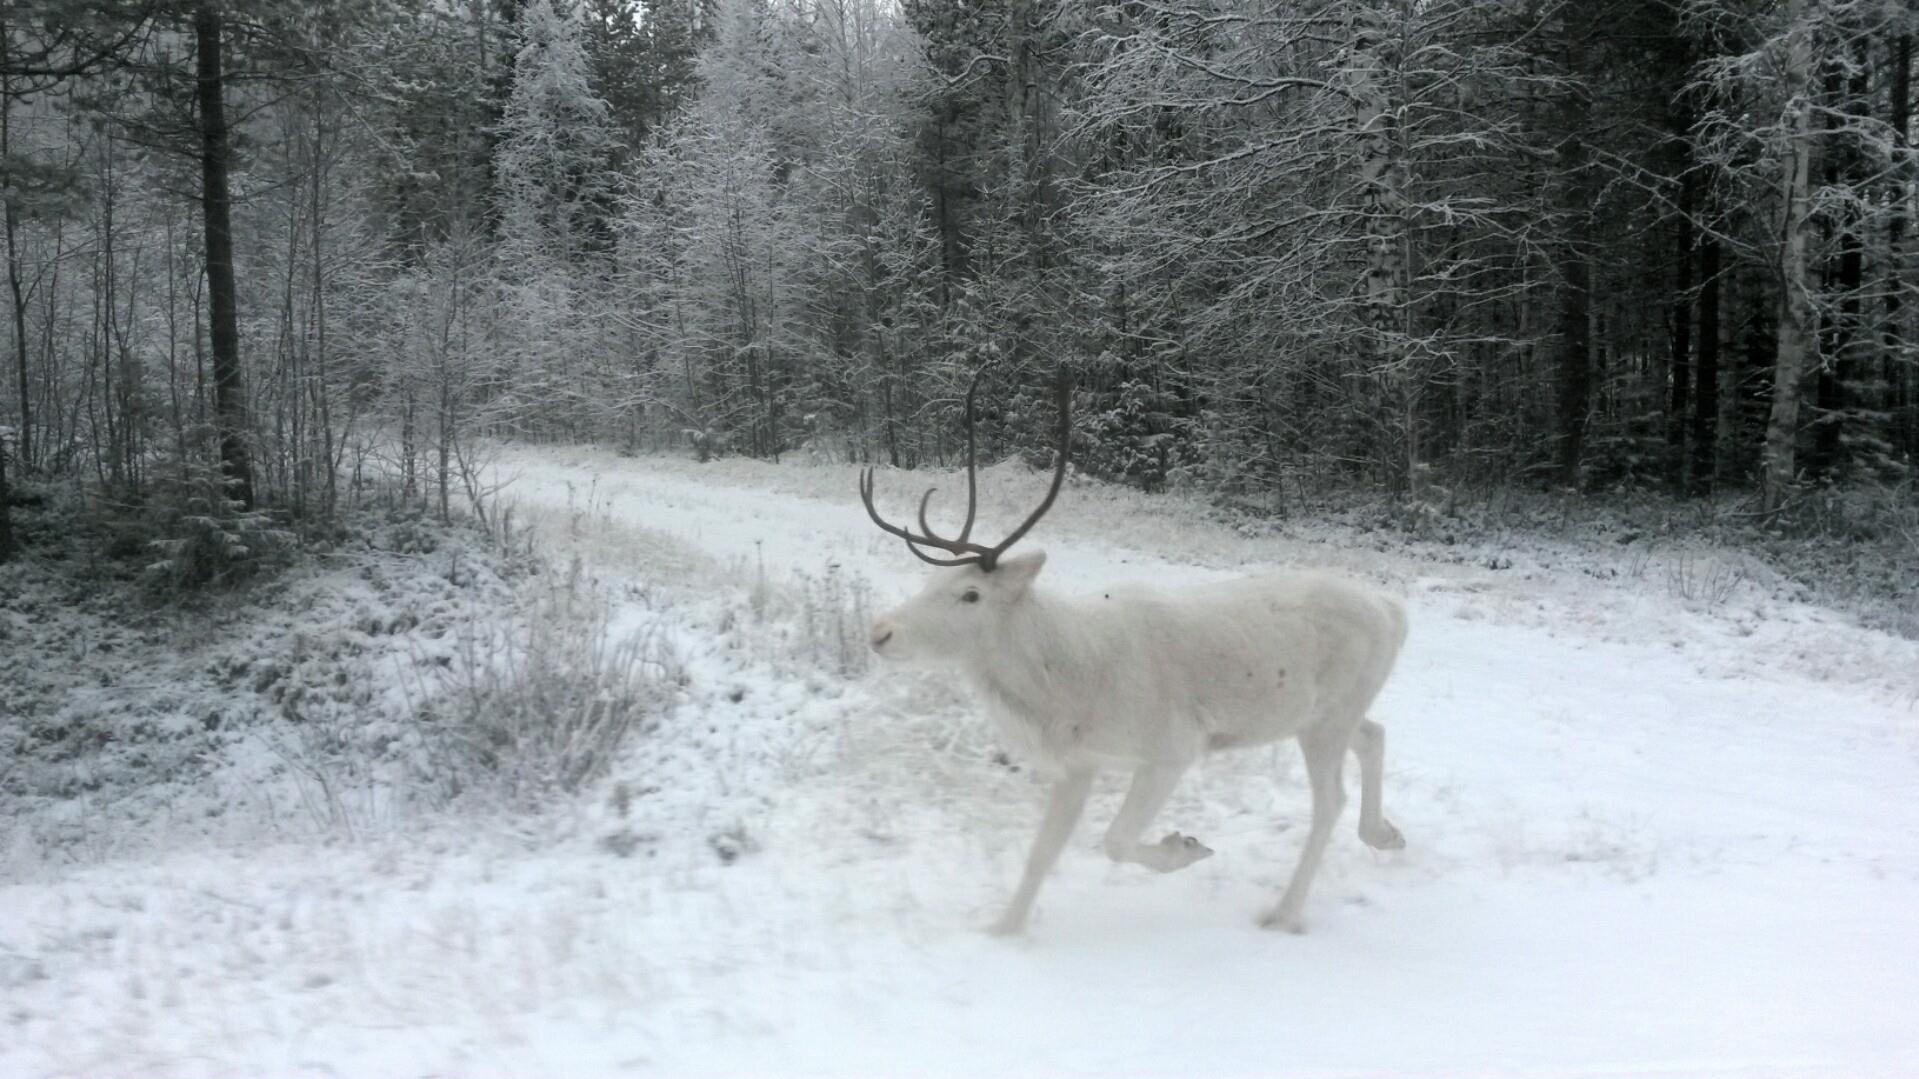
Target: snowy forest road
1646 836
1653 829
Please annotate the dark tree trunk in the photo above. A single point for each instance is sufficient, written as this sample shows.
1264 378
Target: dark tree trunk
1680 408
223 332
1575 364
19 341
1843 372
13 265
6 509
1705 398
1898 375
1575 360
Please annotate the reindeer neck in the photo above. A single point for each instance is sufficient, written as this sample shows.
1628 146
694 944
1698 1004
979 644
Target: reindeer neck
1039 643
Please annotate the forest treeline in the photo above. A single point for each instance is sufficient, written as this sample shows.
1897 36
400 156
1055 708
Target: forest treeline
255 250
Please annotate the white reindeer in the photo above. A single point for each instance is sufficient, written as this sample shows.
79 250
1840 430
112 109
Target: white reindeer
1151 680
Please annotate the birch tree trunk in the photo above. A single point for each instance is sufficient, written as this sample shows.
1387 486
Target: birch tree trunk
1383 204
1796 327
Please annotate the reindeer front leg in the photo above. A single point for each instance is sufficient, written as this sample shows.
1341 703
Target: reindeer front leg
1062 813
1325 750
1152 784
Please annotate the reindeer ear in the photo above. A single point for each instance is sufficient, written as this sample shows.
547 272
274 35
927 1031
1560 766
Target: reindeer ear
1018 572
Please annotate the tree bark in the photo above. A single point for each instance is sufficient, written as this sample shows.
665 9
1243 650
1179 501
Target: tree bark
1795 332
6 509
321 386
1383 202
1680 409
1842 401
1898 374
13 264
1575 295
1705 397
19 338
223 331
1575 364
1839 374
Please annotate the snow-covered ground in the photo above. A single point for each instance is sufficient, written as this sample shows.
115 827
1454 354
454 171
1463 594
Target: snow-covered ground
1660 813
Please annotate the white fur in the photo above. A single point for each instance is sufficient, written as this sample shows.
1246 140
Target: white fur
1151 680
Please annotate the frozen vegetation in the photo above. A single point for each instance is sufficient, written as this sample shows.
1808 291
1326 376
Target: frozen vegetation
361 822
1589 330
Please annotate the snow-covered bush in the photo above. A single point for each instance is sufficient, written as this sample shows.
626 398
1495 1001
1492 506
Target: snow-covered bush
834 613
1139 439
539 701
281 706
201 535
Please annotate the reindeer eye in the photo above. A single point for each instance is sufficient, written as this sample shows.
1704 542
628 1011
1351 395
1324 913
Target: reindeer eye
971 595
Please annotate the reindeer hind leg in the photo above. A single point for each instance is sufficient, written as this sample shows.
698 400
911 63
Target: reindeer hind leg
1369 745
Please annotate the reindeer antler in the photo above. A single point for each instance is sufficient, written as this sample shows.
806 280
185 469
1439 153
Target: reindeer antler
966 551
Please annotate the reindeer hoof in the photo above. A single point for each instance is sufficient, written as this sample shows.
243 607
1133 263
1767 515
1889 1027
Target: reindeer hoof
1285 923
1179 851
1384 837
1007 926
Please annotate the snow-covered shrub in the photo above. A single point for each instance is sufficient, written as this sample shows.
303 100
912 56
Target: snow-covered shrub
201 535
538 702
834 613
284 706
1709 581
1140 439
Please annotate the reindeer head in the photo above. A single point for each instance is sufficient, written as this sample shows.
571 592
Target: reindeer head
961 609
959 612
